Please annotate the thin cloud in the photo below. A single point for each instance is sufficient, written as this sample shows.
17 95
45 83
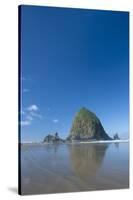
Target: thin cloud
30 114
25 90
25 123
55 120
29 117
22 112
33 108
25 78
36 115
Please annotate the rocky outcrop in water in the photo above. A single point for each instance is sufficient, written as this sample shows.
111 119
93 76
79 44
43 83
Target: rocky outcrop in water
87 126
116 137
53 139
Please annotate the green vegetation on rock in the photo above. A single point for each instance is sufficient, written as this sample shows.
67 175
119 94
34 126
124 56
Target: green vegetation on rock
86 126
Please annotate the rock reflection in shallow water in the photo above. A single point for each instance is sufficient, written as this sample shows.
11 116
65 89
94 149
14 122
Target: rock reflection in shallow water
73 167
86 159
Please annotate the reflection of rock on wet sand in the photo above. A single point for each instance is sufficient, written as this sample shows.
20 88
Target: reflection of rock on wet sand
87 158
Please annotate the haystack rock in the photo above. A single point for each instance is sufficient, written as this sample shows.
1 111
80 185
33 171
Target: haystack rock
87 126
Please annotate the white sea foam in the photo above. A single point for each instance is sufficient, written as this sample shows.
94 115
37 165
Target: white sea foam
106 141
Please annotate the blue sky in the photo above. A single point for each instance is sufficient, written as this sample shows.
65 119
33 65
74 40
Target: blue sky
72 58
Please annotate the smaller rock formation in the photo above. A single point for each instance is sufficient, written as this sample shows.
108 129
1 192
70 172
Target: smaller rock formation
116 137
53 139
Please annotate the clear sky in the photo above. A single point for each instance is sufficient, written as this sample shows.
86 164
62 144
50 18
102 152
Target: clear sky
73 58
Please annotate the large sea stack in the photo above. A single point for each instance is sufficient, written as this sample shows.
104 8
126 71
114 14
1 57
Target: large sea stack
87 126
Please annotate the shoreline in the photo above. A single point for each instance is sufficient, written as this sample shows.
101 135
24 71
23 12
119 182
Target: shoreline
106 141
78 142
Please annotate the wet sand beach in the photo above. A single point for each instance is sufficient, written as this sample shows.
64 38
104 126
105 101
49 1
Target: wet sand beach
63 168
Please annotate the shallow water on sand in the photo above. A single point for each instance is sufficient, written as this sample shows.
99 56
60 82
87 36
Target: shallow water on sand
53 168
